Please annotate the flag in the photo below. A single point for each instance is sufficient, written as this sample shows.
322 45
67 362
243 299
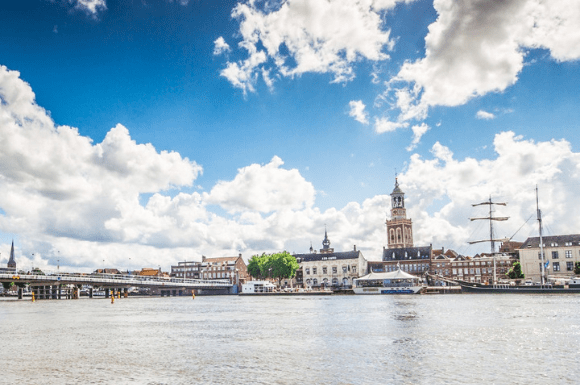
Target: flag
546 264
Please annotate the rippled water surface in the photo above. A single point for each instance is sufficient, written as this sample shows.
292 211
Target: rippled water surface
447 339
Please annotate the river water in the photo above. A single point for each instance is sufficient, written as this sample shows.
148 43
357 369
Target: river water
423 339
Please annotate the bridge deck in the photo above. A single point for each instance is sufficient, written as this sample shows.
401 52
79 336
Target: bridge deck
114 280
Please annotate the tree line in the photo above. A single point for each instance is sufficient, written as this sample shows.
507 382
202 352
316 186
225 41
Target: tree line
278 266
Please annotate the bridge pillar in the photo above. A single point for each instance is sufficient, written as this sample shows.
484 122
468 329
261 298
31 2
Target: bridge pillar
53 291
126 292
180 293
91 292
106 292
20 292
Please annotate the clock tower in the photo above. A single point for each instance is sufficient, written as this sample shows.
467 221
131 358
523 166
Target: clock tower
399 228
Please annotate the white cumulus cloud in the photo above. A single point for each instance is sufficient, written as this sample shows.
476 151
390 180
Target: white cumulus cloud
91 7
300 36
220 46
477 46
481 114
357 111
264 188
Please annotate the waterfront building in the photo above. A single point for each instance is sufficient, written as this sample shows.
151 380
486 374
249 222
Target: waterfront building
329 268
232 268
561 252
471 269
187 269
401 252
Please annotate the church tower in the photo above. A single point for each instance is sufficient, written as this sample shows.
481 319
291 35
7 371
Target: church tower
399 228
12 261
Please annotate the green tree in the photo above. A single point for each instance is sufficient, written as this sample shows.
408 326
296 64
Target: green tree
259 265
516 271
254 267
283 266
577 268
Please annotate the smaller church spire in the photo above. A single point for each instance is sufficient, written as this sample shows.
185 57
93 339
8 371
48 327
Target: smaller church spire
12 261
326 241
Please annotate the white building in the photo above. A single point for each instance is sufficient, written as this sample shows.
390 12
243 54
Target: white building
561 252
329 268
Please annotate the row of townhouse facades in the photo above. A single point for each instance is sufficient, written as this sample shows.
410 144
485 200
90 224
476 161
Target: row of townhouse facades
328 268
234 269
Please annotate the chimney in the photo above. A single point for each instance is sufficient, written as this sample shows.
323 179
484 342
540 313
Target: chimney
240 255
354 247
203 258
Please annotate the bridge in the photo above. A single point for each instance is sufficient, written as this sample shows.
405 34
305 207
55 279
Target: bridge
54 286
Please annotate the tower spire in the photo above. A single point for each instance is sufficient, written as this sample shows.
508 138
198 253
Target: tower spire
12 261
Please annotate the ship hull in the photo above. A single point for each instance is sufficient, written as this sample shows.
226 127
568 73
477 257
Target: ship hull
506 289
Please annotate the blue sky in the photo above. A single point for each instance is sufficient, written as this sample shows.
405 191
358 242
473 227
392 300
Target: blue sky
248 126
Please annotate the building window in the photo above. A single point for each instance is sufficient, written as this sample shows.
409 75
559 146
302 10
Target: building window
556 266
477 271
334 281
307 270
353 269
568 253
539 255
454 271
324 270
314 282
334 269
569 266
344 269
554 255
314 270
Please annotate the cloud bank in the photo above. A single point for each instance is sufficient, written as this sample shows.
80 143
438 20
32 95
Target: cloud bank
118 203
291 38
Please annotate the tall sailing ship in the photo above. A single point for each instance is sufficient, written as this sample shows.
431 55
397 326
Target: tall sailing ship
545 287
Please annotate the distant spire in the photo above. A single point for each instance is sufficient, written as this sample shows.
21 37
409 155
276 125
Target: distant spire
325 242
311 249
11 261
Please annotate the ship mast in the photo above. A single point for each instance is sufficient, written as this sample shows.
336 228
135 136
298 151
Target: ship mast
491 239
539 214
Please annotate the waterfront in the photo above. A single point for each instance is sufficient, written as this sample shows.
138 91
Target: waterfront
451 339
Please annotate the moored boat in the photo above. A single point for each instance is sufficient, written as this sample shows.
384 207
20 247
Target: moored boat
394 282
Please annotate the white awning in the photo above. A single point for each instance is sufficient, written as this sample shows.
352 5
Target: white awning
398 274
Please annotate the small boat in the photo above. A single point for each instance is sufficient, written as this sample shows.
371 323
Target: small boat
394 282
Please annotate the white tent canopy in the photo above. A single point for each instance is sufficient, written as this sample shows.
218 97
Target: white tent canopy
398 274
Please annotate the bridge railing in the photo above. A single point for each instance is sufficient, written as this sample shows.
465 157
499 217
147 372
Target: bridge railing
113 278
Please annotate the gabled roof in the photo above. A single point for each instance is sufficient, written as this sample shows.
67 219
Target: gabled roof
311 257
221 260
560 240
407 253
